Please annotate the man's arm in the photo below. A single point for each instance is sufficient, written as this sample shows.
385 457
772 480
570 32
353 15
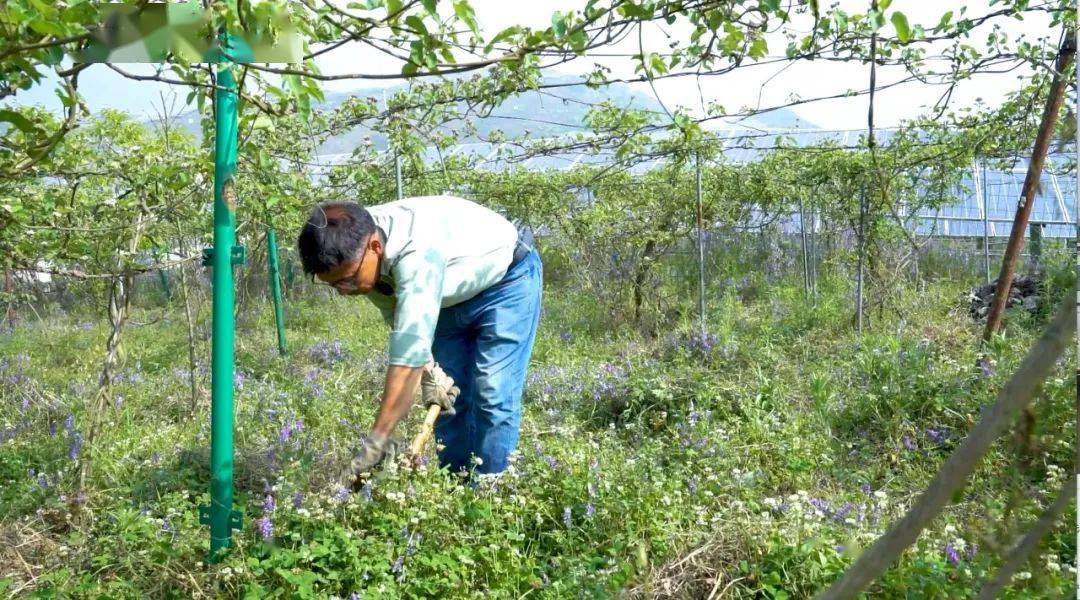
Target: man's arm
419 278
398 394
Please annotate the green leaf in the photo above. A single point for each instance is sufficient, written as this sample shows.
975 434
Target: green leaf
52 55
429 5
770 5
503 36
464 11
903 30
945 20
264 122
558 23
21 122
45 26
417 24
759 48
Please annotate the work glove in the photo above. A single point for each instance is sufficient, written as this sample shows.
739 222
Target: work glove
374 450
436 387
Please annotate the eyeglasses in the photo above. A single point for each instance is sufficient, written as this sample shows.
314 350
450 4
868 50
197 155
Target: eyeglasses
347 284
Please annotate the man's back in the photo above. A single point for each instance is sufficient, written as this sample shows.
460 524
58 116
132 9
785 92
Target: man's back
474 243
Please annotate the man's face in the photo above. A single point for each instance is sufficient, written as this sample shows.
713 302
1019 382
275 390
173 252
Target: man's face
357 275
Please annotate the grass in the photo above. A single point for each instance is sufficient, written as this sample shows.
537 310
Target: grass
755 461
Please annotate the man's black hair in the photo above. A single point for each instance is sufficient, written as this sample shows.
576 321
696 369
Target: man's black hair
332 235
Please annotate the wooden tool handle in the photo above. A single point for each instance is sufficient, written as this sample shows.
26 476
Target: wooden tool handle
426 429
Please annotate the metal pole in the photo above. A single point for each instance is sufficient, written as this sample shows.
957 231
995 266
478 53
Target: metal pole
275 285
986 225
814 251
701 250
221 516
163 277
290 274
1076 241
859 272
805 256
397 176
1035 233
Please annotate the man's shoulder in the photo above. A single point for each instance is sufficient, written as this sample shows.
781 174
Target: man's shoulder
427 201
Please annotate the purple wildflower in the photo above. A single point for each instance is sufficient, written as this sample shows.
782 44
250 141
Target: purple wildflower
297 500
566 336
985 367
399 565
42 481
268 504
166 526
75 446
52 429
118 401
866 489
841 513
238 380
936 435
951 554
909 443
840 548
288 430
69 423
821 506
265 527
971 551
590 510
328 353
342 494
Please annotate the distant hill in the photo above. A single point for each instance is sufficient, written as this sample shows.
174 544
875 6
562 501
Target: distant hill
533 114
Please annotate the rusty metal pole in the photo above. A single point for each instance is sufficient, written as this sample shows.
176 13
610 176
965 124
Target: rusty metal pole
1031 183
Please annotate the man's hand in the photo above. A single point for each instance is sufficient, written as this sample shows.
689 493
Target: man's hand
373 451
436 387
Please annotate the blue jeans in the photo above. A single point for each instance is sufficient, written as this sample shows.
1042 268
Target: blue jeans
485 343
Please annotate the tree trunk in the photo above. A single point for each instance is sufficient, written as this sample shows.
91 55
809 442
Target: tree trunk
119 302
9 290
639 279
1031 183
186 290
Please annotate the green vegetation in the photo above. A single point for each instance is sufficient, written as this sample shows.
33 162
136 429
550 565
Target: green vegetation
765 453
755 458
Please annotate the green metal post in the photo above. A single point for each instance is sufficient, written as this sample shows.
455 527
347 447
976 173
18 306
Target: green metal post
1035 230
221 516
290 273
275 286
164 278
